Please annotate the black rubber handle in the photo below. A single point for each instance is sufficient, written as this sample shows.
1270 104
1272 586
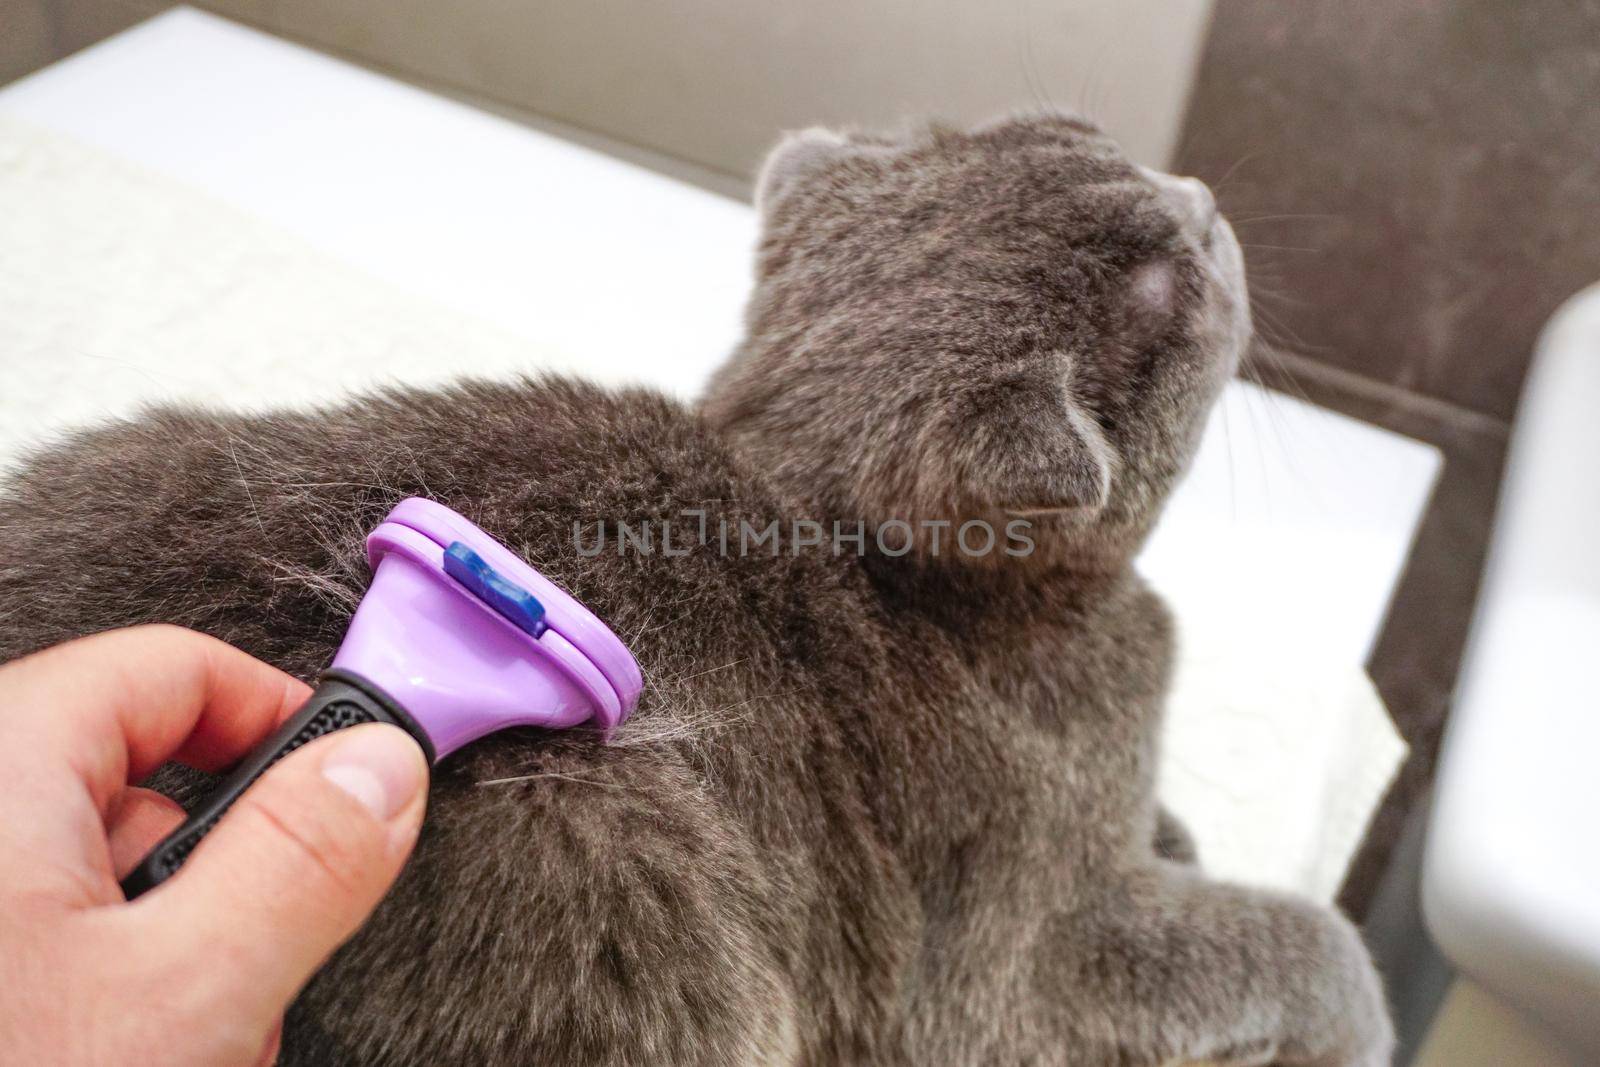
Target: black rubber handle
341 699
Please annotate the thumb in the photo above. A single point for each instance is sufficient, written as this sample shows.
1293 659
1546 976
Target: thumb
293 868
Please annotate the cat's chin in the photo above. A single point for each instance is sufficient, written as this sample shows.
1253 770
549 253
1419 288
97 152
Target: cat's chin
1228 325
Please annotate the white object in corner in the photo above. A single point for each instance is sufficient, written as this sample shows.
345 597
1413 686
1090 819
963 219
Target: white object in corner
1511 883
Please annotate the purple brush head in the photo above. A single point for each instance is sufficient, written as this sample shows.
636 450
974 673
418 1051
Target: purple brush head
458 641
456 638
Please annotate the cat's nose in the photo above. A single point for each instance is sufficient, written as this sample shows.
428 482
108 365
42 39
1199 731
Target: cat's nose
1189 198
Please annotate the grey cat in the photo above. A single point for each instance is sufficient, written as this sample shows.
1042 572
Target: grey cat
879 806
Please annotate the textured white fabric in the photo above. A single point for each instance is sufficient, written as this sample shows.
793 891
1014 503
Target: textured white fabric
120 286
1275 760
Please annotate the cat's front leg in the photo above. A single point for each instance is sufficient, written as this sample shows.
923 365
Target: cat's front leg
1187 971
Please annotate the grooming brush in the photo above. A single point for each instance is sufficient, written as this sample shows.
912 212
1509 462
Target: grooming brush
456 638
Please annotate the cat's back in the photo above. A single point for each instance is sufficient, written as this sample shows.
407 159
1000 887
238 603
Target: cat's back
157 515
566 898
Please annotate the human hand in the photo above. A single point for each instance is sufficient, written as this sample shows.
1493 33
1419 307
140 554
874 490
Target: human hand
199 969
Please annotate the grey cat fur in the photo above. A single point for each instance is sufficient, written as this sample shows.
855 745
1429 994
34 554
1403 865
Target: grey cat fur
872 810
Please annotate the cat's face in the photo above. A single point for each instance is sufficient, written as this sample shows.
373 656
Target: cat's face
1012 322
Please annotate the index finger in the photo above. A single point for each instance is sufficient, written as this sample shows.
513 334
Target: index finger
109 709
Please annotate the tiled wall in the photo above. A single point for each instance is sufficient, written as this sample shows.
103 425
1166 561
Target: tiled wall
1418 187
26 37
34 33
714 81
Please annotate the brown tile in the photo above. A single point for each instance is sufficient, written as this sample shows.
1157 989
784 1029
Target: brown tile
1436 159
1416 185
86 22
36 33
27 38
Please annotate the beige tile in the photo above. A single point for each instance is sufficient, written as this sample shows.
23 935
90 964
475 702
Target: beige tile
1474 1029
715 81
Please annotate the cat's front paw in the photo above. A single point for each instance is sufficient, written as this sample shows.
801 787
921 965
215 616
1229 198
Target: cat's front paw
1357 1031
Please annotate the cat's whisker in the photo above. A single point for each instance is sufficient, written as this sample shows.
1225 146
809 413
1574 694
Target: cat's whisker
512 780
1221 183
244 483
709 670
1268 294
1227 445
1246 220
1064 511
1024 43
1276 328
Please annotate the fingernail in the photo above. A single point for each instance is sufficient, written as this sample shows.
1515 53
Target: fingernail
378 765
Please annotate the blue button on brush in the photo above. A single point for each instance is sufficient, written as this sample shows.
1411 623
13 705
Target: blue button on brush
520 607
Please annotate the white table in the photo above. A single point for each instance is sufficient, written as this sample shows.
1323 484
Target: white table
1287 540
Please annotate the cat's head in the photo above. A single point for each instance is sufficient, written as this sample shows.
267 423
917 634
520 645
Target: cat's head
1011 322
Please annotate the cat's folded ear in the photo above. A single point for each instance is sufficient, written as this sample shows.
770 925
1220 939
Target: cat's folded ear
1034 449
796 157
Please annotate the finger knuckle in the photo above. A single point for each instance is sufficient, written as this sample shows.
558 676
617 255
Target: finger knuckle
163 631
